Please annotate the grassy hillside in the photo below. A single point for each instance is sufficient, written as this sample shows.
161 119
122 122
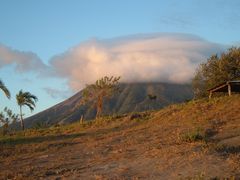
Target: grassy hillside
194 140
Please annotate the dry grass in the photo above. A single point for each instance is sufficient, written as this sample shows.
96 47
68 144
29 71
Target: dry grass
195 140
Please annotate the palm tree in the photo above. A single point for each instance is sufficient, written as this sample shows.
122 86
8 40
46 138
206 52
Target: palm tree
4 89
25 99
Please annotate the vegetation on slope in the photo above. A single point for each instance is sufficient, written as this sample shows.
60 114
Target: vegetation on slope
196 139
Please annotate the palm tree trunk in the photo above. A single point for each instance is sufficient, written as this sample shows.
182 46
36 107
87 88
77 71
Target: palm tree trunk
21 116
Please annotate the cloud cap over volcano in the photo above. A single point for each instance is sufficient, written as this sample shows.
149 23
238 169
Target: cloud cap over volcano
161 57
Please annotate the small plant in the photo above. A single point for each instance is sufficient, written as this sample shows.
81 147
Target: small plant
40 125
200 176
192 136
7 117
140 116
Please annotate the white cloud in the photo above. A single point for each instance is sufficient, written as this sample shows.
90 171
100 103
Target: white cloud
55 93
163 57
23 61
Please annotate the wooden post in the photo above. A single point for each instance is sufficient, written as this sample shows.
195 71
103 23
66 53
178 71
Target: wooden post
229 89
210 94
81 119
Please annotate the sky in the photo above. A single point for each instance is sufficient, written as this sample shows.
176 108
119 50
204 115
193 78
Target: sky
53 48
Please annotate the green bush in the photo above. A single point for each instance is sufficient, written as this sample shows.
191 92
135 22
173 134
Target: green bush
192 136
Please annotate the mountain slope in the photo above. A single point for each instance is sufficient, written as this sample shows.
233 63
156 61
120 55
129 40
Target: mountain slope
194 140
132 97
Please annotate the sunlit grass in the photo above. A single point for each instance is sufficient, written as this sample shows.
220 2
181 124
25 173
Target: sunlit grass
192 113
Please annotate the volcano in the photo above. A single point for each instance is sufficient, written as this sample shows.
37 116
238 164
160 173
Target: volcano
133 97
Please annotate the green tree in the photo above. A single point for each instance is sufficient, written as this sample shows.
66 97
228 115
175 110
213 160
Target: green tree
216 70
25 99
103 88
4 89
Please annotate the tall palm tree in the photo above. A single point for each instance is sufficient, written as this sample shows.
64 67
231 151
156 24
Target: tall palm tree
4 89
25 99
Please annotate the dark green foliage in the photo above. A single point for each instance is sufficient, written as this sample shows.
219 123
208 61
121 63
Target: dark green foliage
216 70
103 88
26 99
152 97
4 89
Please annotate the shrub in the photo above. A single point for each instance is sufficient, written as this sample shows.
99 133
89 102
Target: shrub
40 125
192 136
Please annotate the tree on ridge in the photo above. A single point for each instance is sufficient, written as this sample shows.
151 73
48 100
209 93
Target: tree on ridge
217 69
100 90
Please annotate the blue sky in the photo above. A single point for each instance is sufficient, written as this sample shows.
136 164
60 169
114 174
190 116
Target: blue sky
60 35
